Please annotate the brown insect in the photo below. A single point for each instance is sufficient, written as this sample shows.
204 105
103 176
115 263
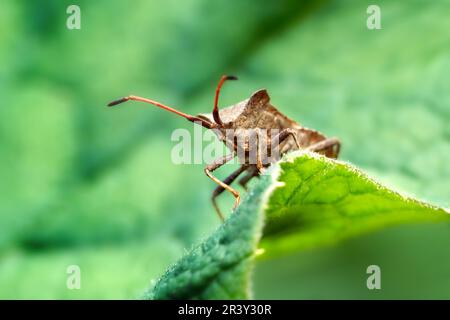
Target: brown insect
255 113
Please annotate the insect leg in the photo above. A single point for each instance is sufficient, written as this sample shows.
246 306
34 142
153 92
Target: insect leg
229 180
330 146
250 174
213 166
259 164
285 133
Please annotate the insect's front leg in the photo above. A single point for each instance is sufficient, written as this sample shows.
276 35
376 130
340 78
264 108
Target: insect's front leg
262 145
286 133
280 138
330 146
228 180
217 164
259 148
253 172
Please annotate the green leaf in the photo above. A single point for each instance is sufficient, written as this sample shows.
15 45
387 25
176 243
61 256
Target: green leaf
307 200
323 200
220 267
83 176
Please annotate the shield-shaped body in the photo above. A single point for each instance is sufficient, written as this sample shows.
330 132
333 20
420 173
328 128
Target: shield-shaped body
256 116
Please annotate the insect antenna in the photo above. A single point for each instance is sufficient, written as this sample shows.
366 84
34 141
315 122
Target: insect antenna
216 98
203 122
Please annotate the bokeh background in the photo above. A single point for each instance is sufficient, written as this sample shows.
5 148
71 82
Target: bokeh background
91 186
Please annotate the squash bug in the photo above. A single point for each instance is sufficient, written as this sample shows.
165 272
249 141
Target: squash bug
255 114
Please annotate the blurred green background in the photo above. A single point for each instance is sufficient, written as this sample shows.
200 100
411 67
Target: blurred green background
91 186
